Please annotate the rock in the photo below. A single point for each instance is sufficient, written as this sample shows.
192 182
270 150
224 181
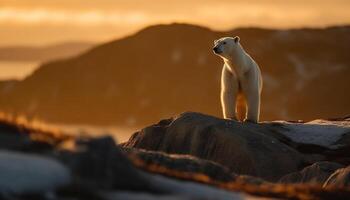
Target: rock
102 165
319 132
99 163
183 163
340 178
245 148
316 173
27 139
194 190
26 173
246 179
143 196
326 139
96 168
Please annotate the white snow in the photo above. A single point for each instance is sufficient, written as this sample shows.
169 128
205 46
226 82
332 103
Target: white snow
320 132
26 173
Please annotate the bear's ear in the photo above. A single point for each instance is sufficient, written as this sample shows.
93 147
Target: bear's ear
236 39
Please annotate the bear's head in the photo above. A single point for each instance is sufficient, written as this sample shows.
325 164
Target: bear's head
224 47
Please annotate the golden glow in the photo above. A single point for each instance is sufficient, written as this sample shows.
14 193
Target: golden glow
39 22
81 18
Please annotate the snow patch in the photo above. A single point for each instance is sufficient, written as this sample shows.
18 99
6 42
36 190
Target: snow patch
24 173
319 132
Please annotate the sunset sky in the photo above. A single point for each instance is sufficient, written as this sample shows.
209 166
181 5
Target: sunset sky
41 22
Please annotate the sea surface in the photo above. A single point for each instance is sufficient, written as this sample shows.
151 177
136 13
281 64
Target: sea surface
120 134
16 69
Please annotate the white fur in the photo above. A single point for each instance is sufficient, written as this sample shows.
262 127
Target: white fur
241 77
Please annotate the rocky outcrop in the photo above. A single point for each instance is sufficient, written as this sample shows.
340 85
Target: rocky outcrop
250 149
340 178
268 150
41 165
183 163
21 137
317 173
93 169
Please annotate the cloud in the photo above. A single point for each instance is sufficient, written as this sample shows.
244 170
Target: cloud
221 15
43 21
76 17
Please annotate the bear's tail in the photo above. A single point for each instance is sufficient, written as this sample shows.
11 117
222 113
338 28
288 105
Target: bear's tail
241 107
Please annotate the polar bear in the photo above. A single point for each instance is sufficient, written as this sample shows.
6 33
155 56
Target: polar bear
241 81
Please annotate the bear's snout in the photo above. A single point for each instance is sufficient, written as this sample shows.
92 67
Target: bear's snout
216 50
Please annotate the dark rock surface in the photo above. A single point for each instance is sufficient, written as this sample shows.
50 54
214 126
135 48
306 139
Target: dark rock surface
97 168
102 165
316 173
269 150
340 178
24 138
183 163
250 149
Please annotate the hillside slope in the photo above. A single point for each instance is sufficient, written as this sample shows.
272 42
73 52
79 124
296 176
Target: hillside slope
167 69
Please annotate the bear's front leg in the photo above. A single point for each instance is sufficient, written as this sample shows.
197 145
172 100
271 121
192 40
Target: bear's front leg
229 91
253 102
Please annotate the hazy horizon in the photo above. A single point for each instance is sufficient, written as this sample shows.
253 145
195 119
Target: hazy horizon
97 42
42 22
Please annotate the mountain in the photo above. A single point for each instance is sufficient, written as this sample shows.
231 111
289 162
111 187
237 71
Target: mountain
166 69
45 53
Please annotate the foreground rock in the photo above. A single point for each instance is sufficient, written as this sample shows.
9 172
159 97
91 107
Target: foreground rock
268 150
21 173
249 149
41 165
316 174
92 169
340 178
183 163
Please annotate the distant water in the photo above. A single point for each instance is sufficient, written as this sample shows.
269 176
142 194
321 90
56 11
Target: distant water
16 70
120 134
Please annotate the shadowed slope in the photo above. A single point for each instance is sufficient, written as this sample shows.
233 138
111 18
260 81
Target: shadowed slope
167 69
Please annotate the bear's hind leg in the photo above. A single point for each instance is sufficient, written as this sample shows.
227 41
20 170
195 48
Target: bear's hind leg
241 107
253 106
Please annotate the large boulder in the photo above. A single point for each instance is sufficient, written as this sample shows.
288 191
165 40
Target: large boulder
182 163
341 178
316 173
245 148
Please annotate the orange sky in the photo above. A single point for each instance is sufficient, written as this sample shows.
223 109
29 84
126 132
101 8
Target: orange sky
41 22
